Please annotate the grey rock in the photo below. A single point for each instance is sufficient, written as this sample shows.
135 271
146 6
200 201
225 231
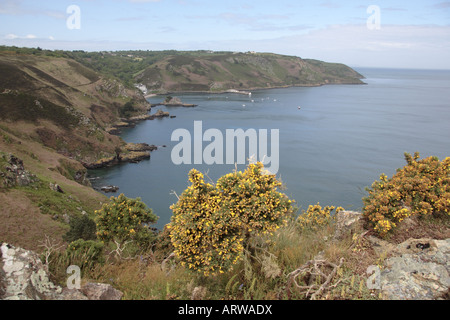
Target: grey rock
100 291
347 222
23 276
419 270
55 187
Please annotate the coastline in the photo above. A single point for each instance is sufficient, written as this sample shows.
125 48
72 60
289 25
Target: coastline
246 91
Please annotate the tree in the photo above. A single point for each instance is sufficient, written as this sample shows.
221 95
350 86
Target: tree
123 220
211 224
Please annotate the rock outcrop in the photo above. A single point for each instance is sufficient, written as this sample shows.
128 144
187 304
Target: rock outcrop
416 269
347 222
419 269
176 102
23 276
14 174
159 114
138 147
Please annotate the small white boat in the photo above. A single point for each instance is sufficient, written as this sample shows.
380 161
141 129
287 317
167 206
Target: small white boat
299 107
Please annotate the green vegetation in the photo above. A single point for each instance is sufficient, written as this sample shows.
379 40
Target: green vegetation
127 110
211 225
22 106
124 220
421 188
83 228
240 233
170 70
316 217
241 236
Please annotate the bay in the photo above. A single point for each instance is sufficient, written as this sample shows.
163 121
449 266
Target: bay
330 150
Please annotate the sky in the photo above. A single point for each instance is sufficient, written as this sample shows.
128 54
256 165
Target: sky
375 33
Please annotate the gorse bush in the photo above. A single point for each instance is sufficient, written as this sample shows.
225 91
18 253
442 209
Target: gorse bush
422 187
124 219
211 224
316 216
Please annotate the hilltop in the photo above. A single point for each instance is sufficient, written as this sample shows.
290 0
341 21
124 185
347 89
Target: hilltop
207 71
217 72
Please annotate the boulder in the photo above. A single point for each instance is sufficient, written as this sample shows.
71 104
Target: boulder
100 291
108 189
419 270
347 222
55 187
23 276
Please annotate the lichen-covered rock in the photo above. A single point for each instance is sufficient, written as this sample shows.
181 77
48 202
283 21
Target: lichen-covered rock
347 222
23 276
419 270
14 174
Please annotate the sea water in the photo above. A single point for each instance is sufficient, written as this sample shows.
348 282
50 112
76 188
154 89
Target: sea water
334 140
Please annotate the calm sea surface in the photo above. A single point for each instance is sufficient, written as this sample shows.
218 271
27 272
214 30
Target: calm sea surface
338 143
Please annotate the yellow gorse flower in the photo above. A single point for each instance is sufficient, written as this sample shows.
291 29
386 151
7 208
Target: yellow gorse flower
422 187
211 222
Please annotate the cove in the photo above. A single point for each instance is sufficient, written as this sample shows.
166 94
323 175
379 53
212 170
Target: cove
340 140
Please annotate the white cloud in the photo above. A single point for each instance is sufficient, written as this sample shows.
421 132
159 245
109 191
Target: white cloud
392 46
30 36
354 45
11 36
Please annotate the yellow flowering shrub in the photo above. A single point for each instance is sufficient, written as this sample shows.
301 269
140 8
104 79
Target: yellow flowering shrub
421 187
124 219
316 216
212 223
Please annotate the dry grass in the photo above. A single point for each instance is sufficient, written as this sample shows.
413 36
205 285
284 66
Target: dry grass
22 224
436 226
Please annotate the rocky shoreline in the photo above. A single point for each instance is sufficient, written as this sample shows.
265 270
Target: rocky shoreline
132 153
131 122
174 102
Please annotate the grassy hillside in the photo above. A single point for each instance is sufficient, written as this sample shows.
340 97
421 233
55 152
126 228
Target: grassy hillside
54 115
217 72
56 109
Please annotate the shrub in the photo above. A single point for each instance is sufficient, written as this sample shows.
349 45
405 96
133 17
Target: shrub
422 187
212 224
124 219
127 109
81 228
316 216
85 253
